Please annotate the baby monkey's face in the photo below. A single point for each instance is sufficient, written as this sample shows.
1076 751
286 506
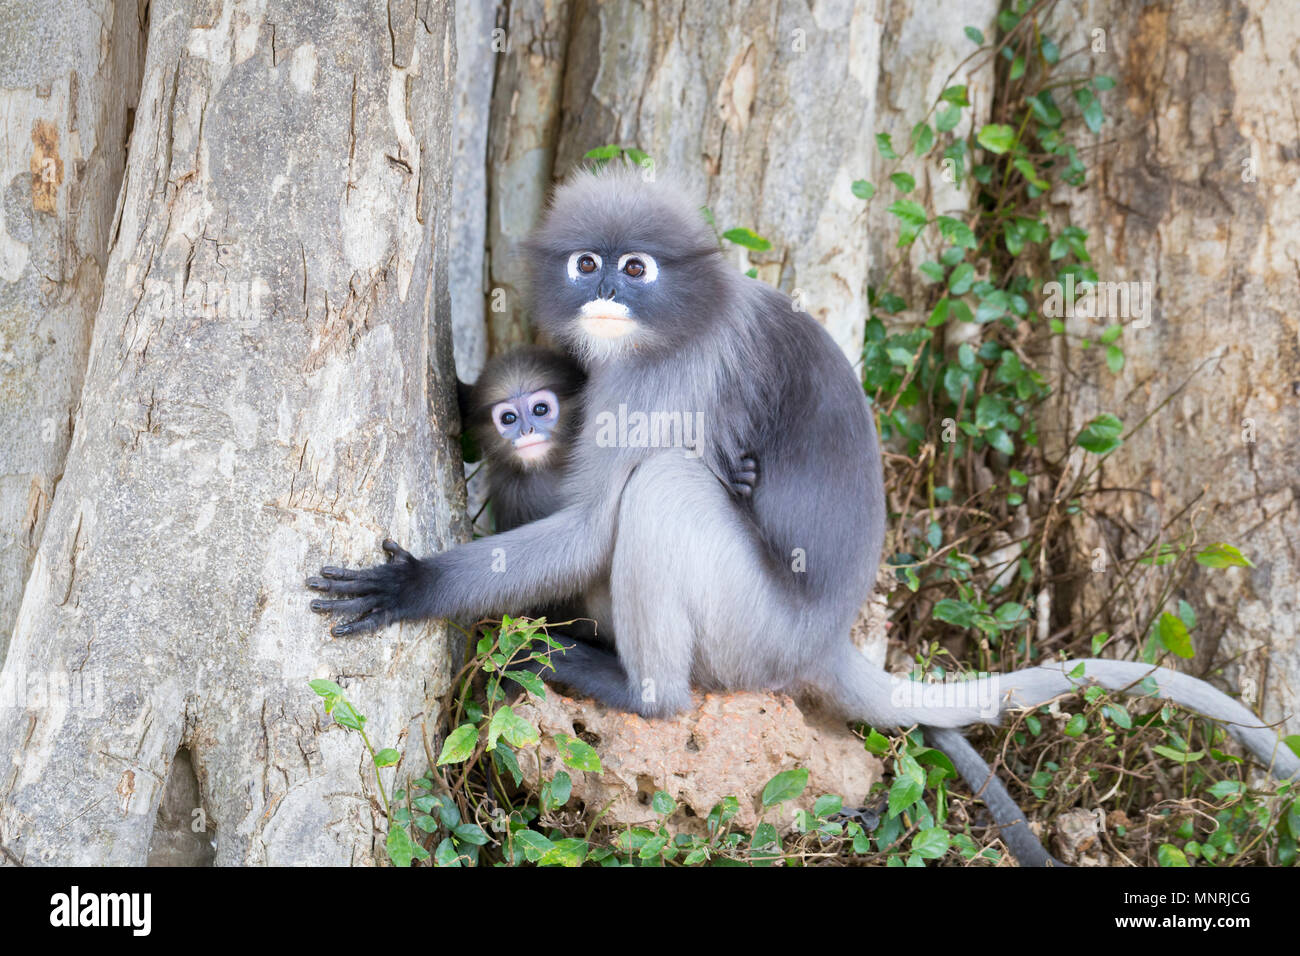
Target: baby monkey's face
528 421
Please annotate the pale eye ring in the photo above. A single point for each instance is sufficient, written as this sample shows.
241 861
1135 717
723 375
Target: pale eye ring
639 266
583 263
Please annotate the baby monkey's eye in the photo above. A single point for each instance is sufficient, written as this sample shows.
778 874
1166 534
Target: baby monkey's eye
509 418
583 263
639 266
541 409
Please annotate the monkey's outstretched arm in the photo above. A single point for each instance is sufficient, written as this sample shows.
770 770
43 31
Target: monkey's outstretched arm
550 559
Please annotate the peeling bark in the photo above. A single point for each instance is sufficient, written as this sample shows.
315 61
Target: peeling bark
260 399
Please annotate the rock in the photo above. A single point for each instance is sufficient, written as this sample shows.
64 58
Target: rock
1078 838
726 745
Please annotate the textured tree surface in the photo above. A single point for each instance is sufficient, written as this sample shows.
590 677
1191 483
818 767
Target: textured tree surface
69 76
258 402
1197 192
760 108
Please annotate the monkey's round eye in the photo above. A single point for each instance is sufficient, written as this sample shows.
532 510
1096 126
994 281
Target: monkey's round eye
541 409
638 265
509 418
583 263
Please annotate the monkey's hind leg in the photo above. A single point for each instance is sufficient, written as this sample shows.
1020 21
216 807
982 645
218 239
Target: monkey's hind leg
590 670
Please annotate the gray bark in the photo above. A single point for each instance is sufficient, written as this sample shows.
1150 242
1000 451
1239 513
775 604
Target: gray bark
1194 190
476 38
259 401
521 152
69 75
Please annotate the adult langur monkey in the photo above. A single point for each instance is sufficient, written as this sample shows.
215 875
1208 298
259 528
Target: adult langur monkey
628 277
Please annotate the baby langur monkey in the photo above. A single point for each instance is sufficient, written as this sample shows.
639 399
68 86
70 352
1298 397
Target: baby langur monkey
524 414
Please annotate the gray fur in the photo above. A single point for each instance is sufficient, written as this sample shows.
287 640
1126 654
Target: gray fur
706 589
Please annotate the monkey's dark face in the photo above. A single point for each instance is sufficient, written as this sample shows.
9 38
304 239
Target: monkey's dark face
621 266
528 422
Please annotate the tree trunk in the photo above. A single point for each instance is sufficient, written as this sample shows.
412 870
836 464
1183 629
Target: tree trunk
69 76
258 401
1194 192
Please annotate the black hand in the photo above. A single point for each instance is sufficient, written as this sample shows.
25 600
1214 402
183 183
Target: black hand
744 476
375 596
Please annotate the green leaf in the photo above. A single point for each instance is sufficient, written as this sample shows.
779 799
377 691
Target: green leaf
344 713
932 271
827 805
956 95
939 315
786 785
947 118
388 757
662 803
326 688
1119 714
1102 83
903 181
577 754
911 216
514 729
603 152
1221 555
931 844
1051 52
876 743
1092 114
922 138
529 681
567 852
1114 358
1177 756
471 834
961 279
975 36
1101 435
1170 855
1076 725
747 238
885 146
400 847
561 789
459 745
954 612
996 137
1172 633
863 189
908 785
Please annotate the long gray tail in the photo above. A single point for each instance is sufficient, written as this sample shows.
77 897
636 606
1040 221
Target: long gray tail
865 692
1012 825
